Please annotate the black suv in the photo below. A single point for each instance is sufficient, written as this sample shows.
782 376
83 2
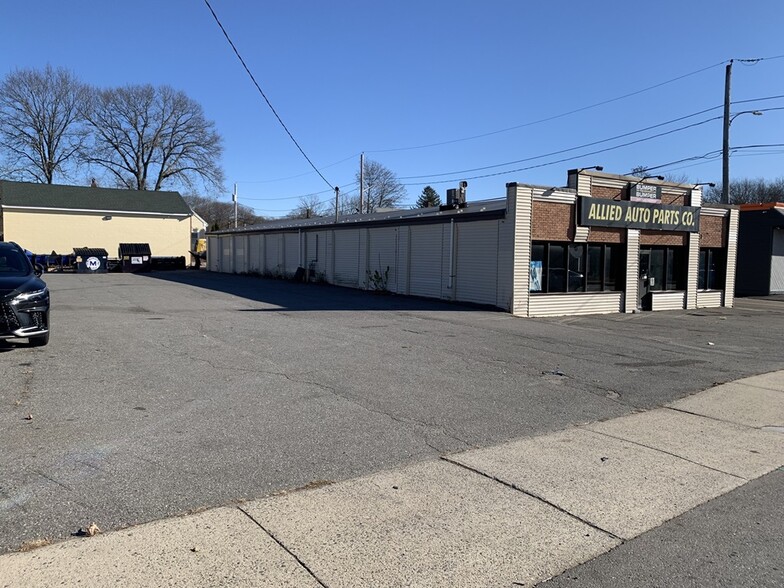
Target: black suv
24 297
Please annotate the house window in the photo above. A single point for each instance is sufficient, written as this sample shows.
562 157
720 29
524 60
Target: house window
576 267
713 267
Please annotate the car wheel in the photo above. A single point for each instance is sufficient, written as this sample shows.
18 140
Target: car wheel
39 341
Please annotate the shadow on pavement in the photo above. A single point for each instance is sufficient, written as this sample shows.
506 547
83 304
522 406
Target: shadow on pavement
295 296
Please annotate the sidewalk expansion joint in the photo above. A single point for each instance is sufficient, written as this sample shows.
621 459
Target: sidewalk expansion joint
537 497
684 411
302 564
702 465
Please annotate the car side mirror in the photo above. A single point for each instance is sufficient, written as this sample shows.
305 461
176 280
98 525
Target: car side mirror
39 269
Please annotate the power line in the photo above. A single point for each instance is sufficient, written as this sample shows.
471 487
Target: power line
263 95
345 159
549 118
671 131
559 152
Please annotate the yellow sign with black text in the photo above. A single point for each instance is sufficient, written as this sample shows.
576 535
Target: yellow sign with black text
599 212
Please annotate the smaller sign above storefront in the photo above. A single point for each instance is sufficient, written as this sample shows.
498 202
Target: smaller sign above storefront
645 193
598 212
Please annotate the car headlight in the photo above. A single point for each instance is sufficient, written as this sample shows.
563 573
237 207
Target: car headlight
31 297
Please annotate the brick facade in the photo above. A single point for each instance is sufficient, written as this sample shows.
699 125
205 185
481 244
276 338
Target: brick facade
713 231
606 235
552 221
669 238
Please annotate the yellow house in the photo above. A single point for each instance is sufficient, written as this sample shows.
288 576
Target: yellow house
43 218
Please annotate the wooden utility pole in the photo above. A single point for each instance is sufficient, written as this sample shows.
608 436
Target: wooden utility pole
361 182
725 148
337 202
234 198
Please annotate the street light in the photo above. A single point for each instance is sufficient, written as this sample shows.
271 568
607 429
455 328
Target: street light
725 168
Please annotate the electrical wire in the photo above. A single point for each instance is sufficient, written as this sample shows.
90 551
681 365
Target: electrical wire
671 131
263 95
549 118
559 152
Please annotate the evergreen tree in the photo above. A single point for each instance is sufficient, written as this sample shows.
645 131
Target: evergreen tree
428 198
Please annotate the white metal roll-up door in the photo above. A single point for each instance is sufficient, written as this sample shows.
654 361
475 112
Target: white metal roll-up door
254 253
291 262
382 254
227 260
274 253
316 250
213 254
425 260
777 263
476 276
240 253
347 257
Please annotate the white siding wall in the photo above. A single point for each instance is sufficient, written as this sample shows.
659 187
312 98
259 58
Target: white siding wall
425 273
316 251
732 259
710 299
476 278
668 300
632 269
519 211
346 266
568 304
693 267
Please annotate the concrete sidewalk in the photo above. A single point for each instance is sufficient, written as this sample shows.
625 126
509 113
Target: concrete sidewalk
511 515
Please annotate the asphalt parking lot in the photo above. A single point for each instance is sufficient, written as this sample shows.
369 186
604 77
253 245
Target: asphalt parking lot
171 392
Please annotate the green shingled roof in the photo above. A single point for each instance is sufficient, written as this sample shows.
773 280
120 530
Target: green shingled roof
87 198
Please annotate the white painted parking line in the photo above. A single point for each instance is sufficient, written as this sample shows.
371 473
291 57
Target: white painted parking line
730 448
220 547
749 405
618 486
430 524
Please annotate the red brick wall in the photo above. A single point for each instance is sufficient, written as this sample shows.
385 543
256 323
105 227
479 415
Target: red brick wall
606 235
713 231
552 221
676 199
609 193
664 238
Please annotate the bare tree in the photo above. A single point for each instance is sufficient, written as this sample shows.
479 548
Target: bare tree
149 137
382 188
220 215
749 191
310 207
41 130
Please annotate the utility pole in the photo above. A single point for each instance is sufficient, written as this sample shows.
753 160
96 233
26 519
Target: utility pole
234 198
361 182
337 202
725 149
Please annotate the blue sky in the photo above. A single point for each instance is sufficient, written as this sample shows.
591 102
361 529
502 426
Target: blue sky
387 77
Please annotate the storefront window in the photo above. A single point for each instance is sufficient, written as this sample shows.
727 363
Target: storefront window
594 268
667 267
556 268
576 267
713 267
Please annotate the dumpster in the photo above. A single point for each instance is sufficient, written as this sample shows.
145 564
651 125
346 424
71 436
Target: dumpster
135 257
91 260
